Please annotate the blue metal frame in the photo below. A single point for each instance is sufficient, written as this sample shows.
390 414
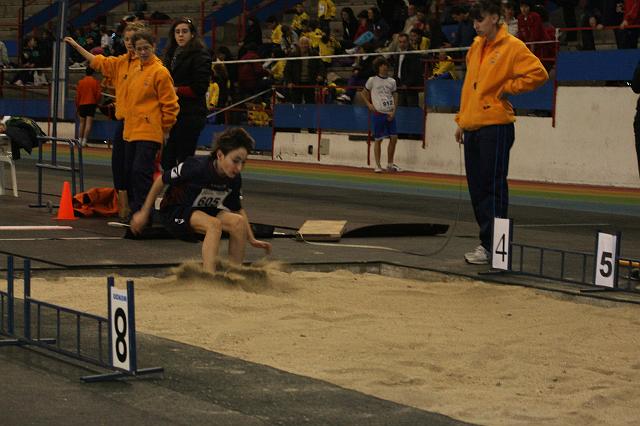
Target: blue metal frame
53 344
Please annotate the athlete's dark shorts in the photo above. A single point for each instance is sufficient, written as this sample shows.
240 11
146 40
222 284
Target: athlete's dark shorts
176 220
88 110
382 127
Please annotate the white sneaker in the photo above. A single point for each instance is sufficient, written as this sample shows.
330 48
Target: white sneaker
351 51
378 169
480 256
393 168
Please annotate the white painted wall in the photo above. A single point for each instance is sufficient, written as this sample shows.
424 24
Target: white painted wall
592 143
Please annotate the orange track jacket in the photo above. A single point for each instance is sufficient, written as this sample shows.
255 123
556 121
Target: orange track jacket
504 67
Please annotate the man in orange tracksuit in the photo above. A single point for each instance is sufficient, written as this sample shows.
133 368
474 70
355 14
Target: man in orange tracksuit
87 97
498 65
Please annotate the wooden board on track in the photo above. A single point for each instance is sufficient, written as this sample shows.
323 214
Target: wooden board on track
322 230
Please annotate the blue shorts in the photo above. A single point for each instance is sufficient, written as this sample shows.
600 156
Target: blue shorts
382 127
176 220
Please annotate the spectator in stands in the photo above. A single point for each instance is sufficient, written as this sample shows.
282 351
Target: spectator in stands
204 197
421 21
326 12
436 36
364 32
407 72
411 20
249 73
223 54
569 17
45 44
445 68
4 55
188 60
115 70
106 42
349 27
306 72
87 98
631 17
465 33
586 14
94 32
299 18
289 40
119 47
417 40
612 16
276 32
220 78
379 94
395 12
548 50
30 59
530 28
355 81
252 35
379 27
485 121
635 85
91 45
327 46
275 68
509 18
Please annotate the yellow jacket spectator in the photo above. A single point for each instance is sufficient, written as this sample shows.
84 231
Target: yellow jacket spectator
326 10
445 68
314 37
276 30
213 95
297 23
327 46
277 70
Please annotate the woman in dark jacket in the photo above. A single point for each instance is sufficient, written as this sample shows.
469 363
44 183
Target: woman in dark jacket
349 27
189 62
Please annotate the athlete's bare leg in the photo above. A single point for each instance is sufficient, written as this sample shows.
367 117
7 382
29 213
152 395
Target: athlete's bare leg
377 151
391 149
236 225
211 228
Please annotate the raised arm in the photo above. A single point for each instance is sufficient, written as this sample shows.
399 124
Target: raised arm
81 50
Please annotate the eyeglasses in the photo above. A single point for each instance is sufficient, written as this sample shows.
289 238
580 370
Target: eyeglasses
143 48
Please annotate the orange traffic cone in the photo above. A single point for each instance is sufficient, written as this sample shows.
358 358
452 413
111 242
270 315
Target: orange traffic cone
65 211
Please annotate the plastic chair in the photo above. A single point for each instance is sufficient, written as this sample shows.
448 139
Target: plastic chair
6 157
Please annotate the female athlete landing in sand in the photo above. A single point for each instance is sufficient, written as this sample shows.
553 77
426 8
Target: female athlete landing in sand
204 197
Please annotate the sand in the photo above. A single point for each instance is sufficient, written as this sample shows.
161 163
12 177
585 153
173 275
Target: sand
491 354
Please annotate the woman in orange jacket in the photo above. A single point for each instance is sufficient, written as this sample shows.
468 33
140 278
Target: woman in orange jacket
116 70
150 109
498 65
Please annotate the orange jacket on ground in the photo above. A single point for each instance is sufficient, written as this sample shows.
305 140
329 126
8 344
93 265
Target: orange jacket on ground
150 104
88 91
117 70
506 67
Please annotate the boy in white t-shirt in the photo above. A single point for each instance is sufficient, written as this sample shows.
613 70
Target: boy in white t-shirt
381 98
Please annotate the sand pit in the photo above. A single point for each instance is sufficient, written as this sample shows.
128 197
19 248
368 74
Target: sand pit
490 354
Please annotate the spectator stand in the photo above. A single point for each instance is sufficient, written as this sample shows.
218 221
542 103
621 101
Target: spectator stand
222 14
596 34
